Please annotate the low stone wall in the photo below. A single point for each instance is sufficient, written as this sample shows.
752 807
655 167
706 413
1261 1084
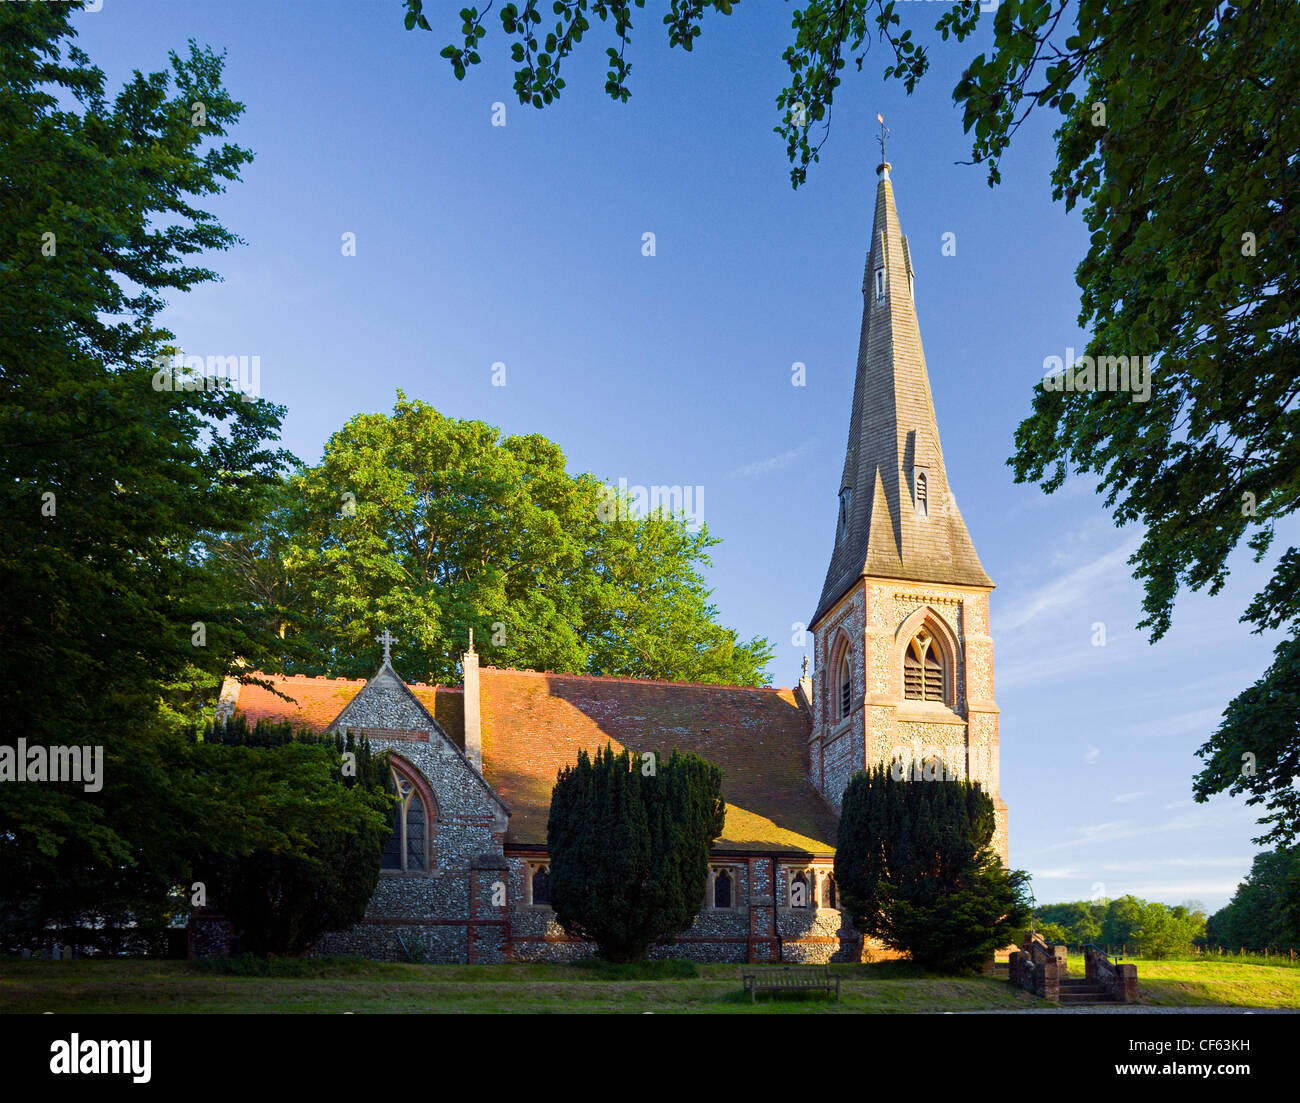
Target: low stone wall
1119 980
1039 971
483 914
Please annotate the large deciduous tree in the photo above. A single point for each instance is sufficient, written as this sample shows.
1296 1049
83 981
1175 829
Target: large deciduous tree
628 839
1192 184
107 484
1264 912
435 526
915 869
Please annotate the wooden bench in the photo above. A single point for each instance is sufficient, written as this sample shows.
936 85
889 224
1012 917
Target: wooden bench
790 978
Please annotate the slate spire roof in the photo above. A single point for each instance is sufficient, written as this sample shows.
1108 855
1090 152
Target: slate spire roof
889 523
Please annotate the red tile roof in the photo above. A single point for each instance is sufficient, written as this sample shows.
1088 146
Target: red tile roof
313 702
533 724
316 702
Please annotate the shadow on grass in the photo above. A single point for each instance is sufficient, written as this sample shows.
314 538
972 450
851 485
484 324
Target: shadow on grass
637 970
778 995
246 965
894 969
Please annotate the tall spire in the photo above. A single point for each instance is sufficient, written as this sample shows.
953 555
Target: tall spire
897 517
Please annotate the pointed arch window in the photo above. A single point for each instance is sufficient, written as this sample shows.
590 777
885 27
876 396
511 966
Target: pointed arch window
408 845
540 884
843 686
800 897
828 891
724 888
923 669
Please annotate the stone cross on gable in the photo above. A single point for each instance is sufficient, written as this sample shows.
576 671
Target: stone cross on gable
387 639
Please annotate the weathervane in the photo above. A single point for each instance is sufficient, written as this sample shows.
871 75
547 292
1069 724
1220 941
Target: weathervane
884 133
387 639
805 666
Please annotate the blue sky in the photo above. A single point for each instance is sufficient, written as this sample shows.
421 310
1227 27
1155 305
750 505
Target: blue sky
522 244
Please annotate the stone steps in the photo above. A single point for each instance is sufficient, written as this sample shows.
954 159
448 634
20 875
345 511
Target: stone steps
1077 991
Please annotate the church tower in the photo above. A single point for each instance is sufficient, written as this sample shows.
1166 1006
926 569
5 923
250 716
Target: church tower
902 651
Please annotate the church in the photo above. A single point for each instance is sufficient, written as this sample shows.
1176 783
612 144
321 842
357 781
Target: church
903 674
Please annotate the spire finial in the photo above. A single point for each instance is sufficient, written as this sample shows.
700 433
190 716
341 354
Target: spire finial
471 639
884 133
387 639
805 667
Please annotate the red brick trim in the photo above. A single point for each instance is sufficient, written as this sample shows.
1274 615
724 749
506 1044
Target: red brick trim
415 736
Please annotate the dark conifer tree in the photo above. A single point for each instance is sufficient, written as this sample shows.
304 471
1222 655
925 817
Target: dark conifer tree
629 842
292 842
915 869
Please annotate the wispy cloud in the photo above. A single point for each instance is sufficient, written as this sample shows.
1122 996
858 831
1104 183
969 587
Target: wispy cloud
1112 831
1168 892
1153 864
773 463
1071 588
1197 722
1129 798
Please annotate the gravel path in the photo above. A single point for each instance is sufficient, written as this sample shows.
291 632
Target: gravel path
1135 1009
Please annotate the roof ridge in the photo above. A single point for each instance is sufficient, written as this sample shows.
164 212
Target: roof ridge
303 678
344 681
635 681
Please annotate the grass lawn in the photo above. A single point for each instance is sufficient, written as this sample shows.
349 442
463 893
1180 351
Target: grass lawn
1196 982
340 985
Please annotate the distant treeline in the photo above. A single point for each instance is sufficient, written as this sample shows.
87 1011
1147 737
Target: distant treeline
1264 914
1160 930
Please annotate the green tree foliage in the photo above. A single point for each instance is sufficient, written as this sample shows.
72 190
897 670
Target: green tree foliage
1188 185
1053 933
915 869
1119 927
1080 921
107 486
1264 912
629 842
1163 931
293 831
434 526
826 35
